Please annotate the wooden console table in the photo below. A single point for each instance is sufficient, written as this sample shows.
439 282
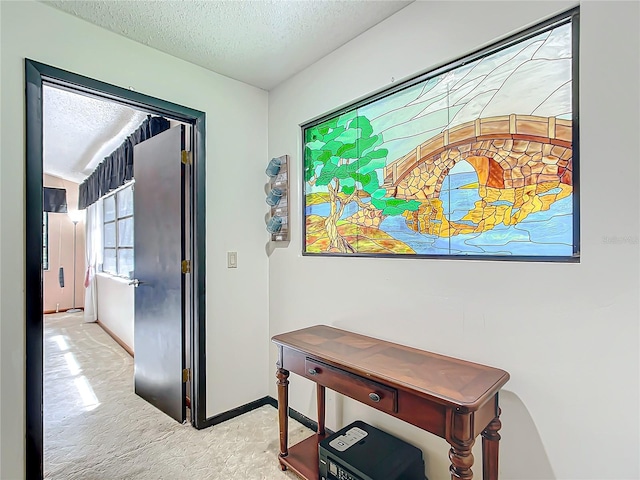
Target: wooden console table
451 398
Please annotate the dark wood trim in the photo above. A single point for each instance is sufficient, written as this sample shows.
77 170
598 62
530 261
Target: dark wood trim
306 421
198 277
35 74
235 412
298 417
88 86
575 108
514 258
268 400
34 328
117 339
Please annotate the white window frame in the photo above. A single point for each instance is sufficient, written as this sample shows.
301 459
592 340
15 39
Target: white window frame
114 221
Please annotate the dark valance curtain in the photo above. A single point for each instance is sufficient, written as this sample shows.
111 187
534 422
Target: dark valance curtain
54 200
117 169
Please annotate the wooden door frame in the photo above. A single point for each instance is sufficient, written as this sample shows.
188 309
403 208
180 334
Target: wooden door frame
35 75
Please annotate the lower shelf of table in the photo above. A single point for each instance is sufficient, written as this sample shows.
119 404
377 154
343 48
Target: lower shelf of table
303 458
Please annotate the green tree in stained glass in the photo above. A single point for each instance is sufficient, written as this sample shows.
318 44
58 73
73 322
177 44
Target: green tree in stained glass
343 154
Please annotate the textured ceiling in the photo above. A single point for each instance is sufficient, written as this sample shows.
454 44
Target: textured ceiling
260 42
79 131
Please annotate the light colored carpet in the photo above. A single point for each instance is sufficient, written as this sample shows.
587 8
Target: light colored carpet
95 427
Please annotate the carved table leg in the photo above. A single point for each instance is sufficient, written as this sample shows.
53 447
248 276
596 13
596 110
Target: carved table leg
490 444
461 461
461 438
283 409
320 395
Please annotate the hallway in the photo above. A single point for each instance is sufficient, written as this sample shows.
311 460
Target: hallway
95 427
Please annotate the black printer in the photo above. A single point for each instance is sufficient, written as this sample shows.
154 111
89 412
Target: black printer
362 452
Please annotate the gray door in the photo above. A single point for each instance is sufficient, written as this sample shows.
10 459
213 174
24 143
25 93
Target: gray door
158 250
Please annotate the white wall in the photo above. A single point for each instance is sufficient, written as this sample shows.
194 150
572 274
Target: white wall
236 299
567 333
116 306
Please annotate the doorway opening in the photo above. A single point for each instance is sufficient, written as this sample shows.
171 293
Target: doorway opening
38 75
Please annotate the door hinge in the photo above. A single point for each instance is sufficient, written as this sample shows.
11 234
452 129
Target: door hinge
186 157
186 375
186 266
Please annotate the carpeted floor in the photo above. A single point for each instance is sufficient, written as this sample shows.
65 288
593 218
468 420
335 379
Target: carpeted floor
95 427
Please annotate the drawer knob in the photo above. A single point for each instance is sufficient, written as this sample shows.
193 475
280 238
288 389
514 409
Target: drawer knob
374 397
312 371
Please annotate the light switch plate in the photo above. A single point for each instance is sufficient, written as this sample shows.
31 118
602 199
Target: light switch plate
232 259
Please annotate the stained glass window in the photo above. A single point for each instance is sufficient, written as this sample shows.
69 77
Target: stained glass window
475 159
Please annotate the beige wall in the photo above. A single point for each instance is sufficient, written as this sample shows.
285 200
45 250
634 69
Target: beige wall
236 299
61 253
116 306
570 410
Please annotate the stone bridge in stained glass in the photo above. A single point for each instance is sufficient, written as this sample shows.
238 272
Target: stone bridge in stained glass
507 152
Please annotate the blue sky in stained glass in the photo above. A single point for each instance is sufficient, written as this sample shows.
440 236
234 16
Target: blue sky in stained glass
531 77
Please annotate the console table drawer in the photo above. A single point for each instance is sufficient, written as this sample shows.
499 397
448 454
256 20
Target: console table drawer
359 388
